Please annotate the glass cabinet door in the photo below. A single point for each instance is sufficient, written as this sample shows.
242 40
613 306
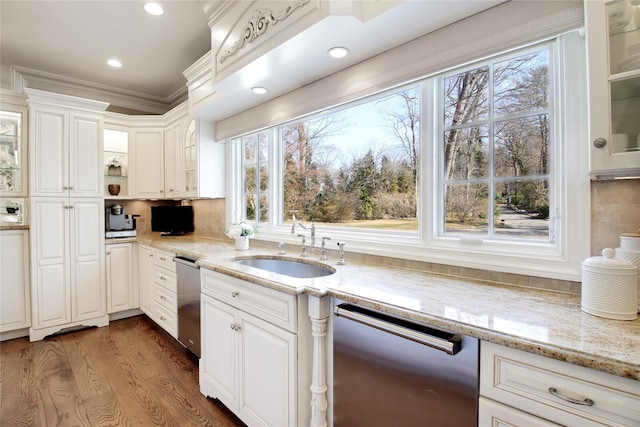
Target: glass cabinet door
623 19
11 152
190 159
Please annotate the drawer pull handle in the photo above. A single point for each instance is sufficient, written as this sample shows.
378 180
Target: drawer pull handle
235 327
162 318
235 294
583 402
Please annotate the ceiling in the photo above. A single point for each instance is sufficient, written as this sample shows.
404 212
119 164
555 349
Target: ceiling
70 42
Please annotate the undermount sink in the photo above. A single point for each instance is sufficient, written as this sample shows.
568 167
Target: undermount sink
291 267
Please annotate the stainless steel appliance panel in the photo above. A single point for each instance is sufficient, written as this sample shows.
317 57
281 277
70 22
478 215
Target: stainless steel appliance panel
390 372
188 276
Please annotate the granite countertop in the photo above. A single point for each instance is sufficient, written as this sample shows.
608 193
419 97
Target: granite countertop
13 226
537 321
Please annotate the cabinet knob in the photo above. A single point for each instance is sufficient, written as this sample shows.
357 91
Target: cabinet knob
599 142
235 294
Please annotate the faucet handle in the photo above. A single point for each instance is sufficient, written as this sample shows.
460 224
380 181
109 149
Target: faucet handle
281 249
341 260
323 248
303 247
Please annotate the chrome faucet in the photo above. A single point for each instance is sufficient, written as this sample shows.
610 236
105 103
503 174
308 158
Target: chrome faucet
312 227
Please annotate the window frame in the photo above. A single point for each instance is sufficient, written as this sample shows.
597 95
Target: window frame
568 170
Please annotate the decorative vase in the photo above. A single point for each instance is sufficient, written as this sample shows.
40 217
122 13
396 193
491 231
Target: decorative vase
242 243
114 189
114 171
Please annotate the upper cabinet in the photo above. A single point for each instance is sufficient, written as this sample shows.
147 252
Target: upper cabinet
13 153
148 163
203 166
613 47
116 163
65 145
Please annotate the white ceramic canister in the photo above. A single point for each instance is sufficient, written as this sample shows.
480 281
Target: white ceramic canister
630 250
609 287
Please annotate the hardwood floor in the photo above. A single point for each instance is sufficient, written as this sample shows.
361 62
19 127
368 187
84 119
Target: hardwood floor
130 373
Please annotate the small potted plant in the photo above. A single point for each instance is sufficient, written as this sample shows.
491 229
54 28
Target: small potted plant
114 166
241 231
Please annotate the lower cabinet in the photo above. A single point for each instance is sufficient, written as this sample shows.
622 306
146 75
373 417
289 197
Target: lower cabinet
520 389
122 289
145 278
15 305
158 287
250 351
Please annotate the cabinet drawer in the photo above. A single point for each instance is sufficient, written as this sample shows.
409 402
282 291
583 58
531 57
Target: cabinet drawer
166 278
494 414
164 259
273 306
166 319
165 297
532 383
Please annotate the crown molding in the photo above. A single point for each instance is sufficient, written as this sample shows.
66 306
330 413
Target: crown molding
23 77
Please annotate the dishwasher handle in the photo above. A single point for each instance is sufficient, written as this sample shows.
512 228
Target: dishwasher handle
191 262
443 341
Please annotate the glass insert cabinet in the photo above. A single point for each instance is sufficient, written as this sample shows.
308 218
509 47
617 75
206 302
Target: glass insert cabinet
116 163
12 153
613 48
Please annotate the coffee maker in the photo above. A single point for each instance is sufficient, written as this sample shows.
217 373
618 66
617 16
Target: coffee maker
117 224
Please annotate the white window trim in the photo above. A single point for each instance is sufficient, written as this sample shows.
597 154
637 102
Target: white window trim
562 261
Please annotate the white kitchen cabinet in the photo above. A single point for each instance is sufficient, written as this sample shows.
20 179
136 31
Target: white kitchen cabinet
116 163
147 167
145 278
552 391
203 161
65 146
158 287
67 264
494 414
613 48
15 305
13 149
122 289
250 351
173 142
165 291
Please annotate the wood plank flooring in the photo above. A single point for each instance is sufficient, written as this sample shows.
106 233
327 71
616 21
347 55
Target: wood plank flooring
130 373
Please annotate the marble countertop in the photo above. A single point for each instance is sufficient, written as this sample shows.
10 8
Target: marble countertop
538 321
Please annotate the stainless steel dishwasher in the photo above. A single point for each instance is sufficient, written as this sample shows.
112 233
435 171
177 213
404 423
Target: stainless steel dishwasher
188 274
391 372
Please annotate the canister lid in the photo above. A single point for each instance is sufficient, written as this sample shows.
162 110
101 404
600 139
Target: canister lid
630 241
607 261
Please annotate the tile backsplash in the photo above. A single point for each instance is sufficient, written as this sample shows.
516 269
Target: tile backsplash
615 209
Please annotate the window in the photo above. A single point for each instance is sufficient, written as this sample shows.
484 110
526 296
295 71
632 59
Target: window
256 176
496 148
478 166
355 167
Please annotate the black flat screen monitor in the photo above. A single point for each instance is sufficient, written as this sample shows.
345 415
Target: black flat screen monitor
172 220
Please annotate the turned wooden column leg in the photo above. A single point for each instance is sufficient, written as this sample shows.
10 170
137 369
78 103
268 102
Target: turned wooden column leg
319 315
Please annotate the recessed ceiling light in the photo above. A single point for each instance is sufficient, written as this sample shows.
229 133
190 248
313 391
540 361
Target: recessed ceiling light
114 63
338 52
153 8
259 90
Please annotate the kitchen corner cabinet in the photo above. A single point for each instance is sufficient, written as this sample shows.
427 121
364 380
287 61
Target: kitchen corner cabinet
521 389
613 53
250 351
116 163
122 290
15 305
147 167
13 150
145 278
203 161
67 265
